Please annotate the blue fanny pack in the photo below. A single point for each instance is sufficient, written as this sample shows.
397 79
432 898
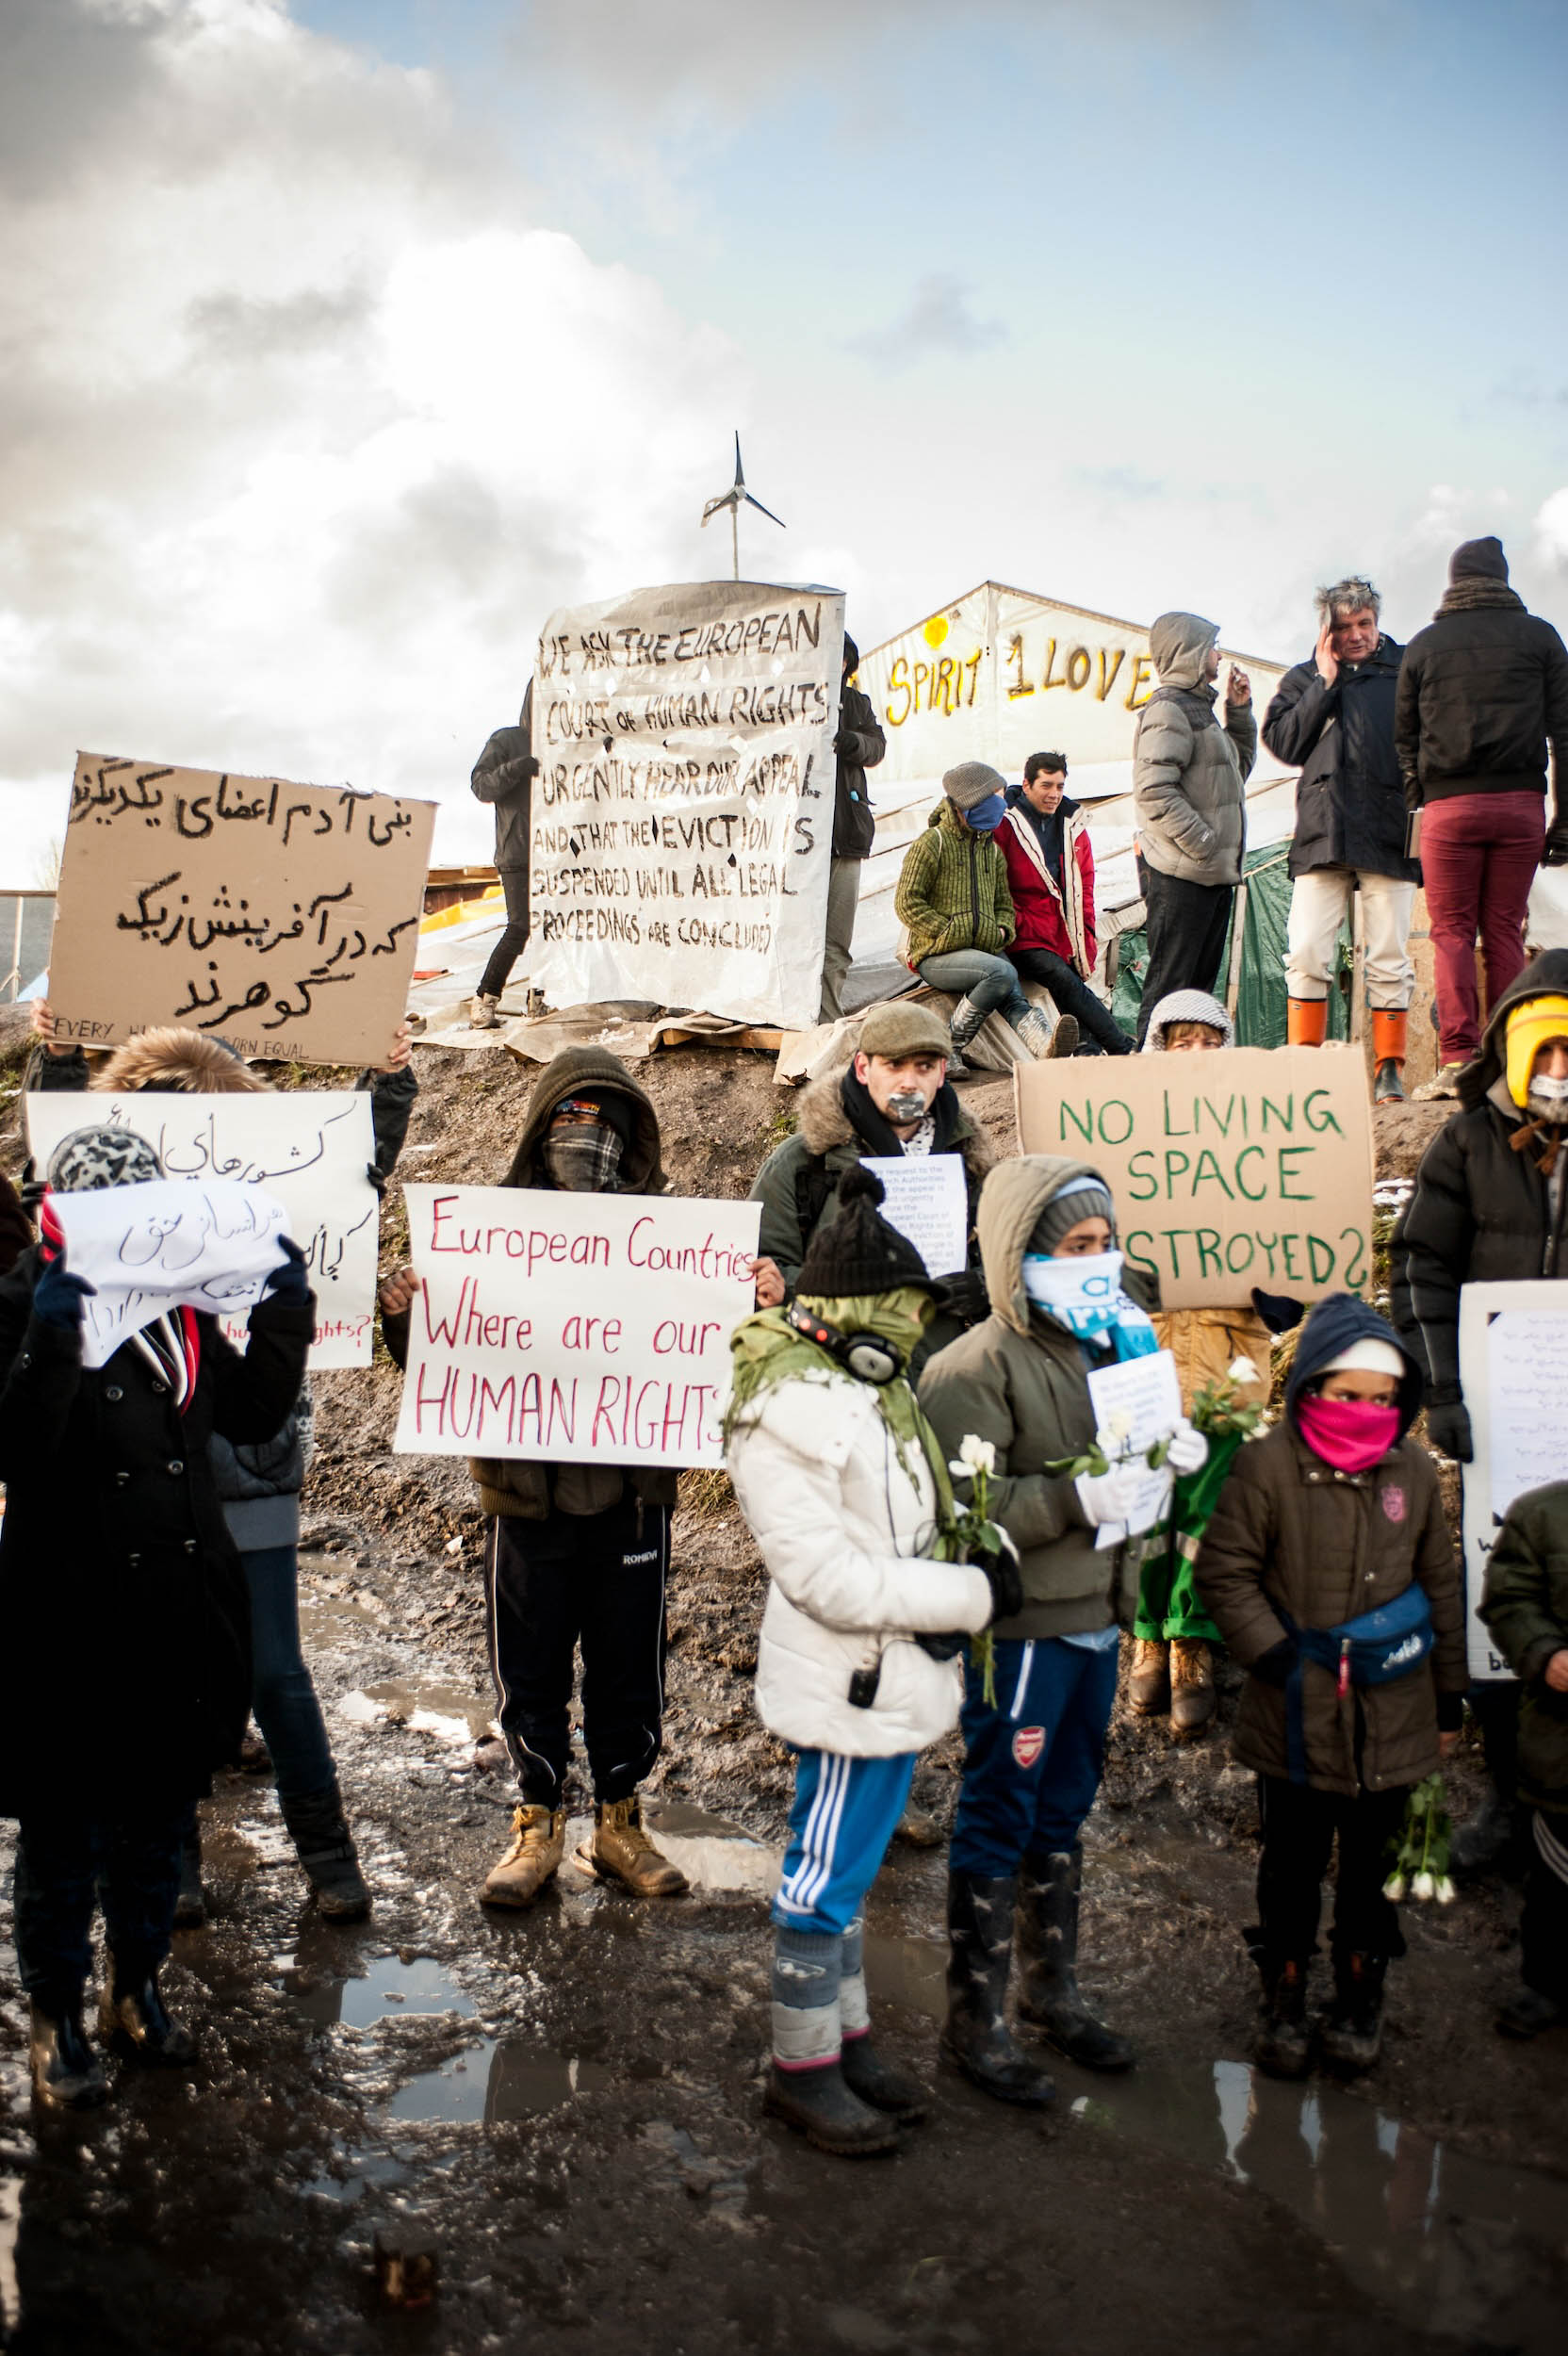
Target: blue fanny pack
1374 1649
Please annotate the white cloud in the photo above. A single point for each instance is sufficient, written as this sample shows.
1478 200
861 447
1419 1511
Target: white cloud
303 428
1551 531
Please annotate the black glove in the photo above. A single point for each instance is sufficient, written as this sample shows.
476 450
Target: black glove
59 1294
1274 1666
289 1283
1556 851
945 1647
1448 1423
964 1296
1281 1312
1004 1578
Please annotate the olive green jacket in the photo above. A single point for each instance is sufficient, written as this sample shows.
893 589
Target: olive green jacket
953 891
1525 1607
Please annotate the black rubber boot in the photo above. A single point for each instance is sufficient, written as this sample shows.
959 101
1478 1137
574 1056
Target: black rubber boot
1282 2047
979 1956
876 2082
1048 1891
131 2012
325 1847
819 2105
1353 2032
190 1906
67 2073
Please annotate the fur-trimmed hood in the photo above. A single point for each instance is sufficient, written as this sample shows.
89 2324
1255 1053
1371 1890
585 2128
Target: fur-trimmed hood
171 1059
824 1125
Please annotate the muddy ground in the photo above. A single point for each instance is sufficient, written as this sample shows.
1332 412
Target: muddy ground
563 2107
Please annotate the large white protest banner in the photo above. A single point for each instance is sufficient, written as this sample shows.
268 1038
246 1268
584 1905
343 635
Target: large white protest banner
1229 1168
683 811
1514 1372
162 1244
580 1328
282 918
310 1147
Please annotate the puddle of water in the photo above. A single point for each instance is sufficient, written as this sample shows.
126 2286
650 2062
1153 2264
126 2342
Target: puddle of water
448 1710
367 2169
388 1989
495 2081
712 1853
1451 2242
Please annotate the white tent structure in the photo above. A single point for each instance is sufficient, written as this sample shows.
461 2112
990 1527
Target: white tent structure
1002 673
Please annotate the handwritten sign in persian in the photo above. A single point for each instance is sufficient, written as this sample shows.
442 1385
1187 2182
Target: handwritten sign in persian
683 811
584 1329
310 1147
1230 1168
282 918
1514 1372
163 1245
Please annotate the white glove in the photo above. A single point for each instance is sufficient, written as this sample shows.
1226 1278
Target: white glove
1190 1450
1109 1497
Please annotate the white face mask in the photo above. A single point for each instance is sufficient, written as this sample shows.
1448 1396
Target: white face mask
1082 1293
1548 1098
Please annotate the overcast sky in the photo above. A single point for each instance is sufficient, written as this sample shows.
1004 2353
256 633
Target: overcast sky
342 340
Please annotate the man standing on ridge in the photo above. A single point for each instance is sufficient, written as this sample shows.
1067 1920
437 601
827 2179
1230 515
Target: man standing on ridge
1188 776
859 745
503 776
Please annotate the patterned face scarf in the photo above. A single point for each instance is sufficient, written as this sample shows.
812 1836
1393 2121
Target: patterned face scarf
584 1160
1084 1294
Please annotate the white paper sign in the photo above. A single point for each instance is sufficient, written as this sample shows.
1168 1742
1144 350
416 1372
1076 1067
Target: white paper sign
577 1328
1140 1401
924 1198
683 817
164 1245
310 1147
1514 1372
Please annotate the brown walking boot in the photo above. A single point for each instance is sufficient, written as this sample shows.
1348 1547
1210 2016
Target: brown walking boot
1149 1684
538 1845
621 1851
1192 1695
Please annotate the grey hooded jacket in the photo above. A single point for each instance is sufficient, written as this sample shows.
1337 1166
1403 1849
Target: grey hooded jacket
1188 771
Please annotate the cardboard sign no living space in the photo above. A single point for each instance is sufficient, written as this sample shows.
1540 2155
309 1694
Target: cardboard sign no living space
281 918
1229 1168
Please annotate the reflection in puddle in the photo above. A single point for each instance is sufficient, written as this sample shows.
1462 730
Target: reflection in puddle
1452 2241
712 1853
388 1989
366 2171
447 1712
497 2080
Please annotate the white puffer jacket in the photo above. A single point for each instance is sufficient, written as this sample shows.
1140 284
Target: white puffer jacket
841 1526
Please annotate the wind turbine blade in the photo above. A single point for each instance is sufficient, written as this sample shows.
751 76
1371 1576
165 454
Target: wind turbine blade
740 483
768 512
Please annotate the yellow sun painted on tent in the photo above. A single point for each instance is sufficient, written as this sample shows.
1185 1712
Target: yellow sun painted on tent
935 630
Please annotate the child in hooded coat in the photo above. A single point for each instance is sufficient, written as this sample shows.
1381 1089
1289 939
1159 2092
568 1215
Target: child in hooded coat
1334 1513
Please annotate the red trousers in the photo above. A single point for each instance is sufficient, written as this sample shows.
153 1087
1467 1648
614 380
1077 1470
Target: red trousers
1478 856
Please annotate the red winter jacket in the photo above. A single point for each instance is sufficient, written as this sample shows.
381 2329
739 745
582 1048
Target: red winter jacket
1044 921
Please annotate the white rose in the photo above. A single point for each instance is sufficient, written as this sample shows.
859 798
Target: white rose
1445 1892
976 1454
1423 1887
1121 1423
1242 1370
1394 1888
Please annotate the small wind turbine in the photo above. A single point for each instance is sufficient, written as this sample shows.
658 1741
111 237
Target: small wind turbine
734 498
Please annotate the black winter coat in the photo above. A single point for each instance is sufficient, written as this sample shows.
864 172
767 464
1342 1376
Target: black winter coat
1482 1214
503 776
126 1674
1481 689
1349 799
860 746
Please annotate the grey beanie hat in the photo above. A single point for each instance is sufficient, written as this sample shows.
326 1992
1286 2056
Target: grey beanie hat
105 1156
972 781
1187 1005
1081 1198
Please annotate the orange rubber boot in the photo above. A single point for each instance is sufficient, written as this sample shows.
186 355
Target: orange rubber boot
1306 1022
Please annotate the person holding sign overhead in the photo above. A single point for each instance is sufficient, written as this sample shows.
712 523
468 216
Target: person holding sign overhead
894 1098
1064 1307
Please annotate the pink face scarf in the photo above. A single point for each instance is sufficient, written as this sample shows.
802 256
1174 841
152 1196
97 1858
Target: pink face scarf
1348 1433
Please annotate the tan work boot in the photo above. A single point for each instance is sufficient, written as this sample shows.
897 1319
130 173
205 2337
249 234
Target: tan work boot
1149 1682
621 1851
1192 1694
538 1845
482 1015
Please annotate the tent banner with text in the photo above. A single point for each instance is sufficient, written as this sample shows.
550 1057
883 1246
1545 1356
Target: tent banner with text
1229 1168
583 1329
282 919
310 1147
682 822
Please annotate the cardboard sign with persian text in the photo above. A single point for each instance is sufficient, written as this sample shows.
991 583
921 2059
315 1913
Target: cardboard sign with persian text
281 918
582 1329
310 1147
682 818
1229 1168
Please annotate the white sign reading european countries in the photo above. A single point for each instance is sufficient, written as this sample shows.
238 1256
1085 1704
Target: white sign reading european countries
577 1328
683 811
